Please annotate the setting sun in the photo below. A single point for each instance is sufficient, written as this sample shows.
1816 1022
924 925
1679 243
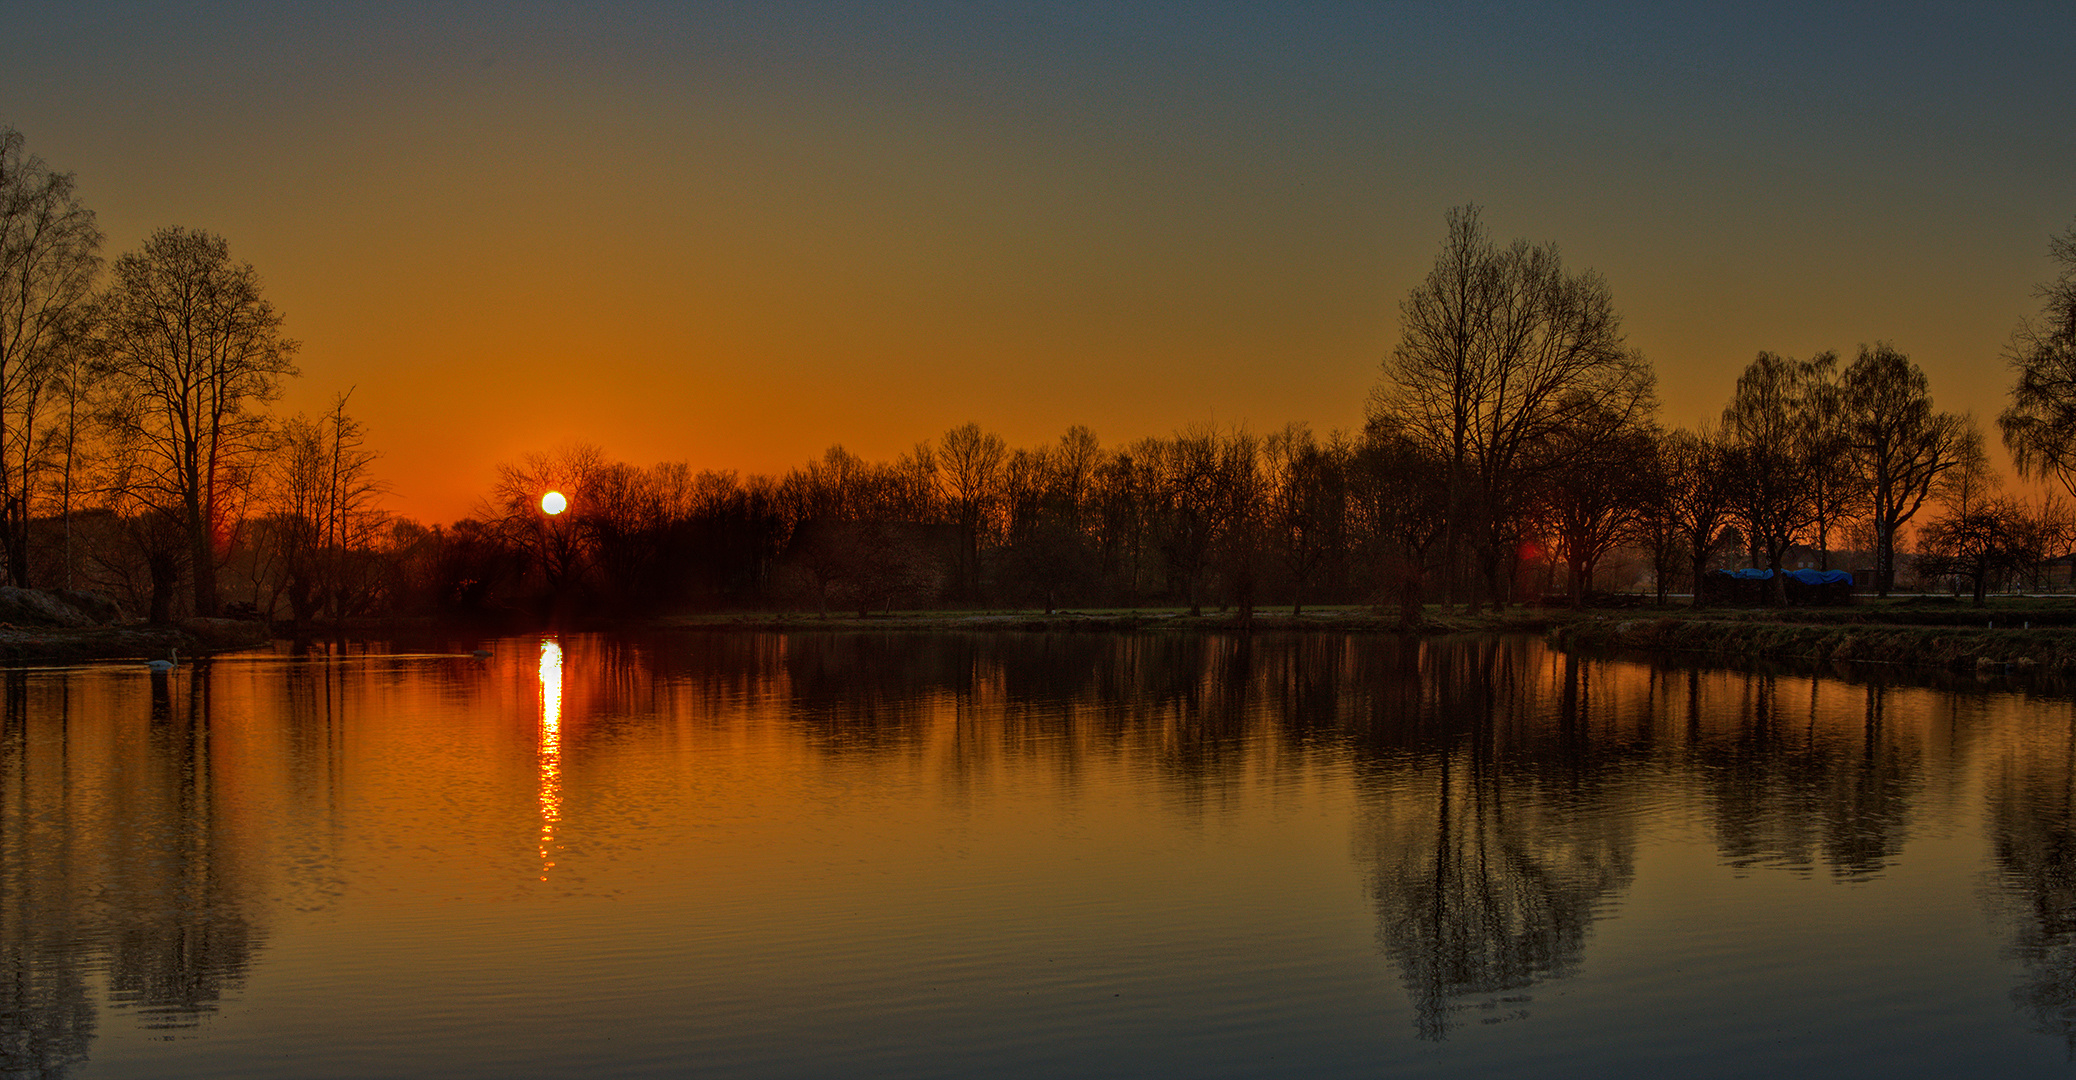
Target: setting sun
553 503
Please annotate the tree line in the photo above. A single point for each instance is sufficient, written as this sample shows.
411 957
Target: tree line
137 454
1510 448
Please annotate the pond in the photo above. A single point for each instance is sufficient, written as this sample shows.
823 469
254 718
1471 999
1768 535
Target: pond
766 855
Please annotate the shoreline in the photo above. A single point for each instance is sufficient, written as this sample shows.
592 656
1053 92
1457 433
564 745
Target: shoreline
2049 650
2020 636
1516 620
195 638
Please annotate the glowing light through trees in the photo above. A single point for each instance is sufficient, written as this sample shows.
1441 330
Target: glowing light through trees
553 503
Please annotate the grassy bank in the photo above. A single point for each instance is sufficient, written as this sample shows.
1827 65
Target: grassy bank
192 638
2013 634
2017 635
1332 620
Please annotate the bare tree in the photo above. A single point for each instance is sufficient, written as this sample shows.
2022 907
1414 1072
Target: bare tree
1124 498
1499 349
1695 495
1972 479
66 447
49 253
187 345
1837 493
324 510
1984 544
1048 550
1307 503
2040 424
1900 445
1600 494
970 465
556 544
1397 507
1773 449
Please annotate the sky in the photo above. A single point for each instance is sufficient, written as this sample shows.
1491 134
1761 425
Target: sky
736 234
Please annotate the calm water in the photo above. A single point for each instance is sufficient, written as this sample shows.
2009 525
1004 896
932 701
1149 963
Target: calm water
1028 855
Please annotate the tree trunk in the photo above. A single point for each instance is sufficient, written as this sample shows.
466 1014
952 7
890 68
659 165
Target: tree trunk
18 541
165 576
1884 558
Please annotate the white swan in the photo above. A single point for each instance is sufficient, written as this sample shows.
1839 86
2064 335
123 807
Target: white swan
166 665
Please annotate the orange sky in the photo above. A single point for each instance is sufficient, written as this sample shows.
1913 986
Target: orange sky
734 237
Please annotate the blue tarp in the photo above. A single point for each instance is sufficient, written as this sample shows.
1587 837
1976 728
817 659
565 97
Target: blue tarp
1806 577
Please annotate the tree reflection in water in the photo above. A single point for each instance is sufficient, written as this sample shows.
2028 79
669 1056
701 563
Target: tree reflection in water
2032 819
1793 785
1493 834
46 1018
122 870
1500 786
1500 781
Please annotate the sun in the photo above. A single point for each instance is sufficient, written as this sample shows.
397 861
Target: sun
553 503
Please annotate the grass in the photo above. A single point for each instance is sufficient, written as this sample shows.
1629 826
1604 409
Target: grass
2012 633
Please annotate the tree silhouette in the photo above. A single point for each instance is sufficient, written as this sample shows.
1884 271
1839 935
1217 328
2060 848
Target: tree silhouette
2040 423
187 347
1775 445
49 254
1987 542
1899 444
1693 496
1489 860
323 496
970 469
1498 350
1599 490
2031 799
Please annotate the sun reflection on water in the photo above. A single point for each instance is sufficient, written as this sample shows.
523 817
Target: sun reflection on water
550 751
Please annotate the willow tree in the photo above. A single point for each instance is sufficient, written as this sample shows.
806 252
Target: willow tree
1500 350
187 348
2040 424
49 253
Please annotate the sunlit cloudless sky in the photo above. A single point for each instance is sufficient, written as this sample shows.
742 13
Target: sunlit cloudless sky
734 234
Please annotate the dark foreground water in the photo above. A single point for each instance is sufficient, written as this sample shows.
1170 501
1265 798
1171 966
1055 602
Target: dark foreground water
910 855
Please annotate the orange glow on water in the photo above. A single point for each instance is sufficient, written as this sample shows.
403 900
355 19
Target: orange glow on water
550 753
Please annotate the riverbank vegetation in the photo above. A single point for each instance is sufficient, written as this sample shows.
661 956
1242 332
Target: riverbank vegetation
1511 455
2020 638
2012 636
